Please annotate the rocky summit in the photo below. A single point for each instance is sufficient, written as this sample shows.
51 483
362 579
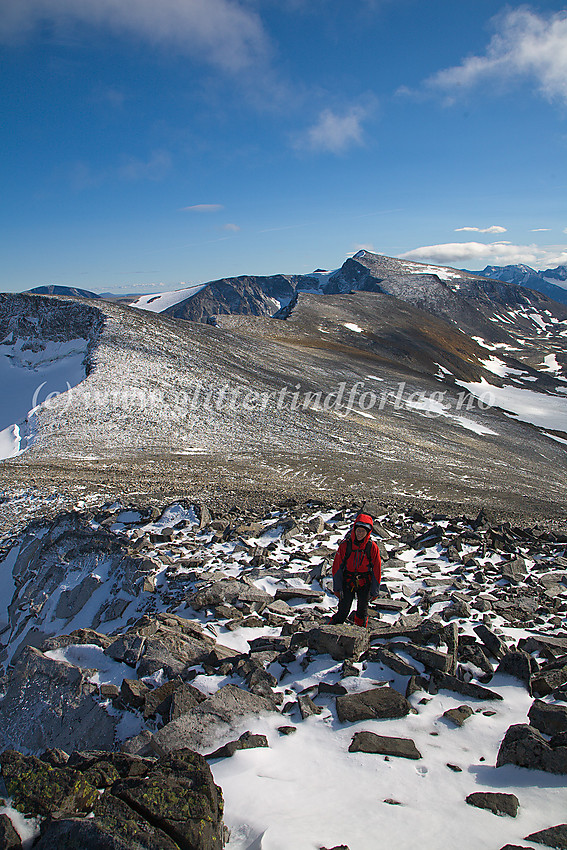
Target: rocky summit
157 662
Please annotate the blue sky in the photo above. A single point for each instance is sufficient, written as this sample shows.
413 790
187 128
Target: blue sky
146 145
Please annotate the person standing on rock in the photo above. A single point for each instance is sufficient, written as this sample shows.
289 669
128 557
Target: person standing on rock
357 571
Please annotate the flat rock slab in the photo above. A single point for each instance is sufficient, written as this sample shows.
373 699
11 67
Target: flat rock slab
445 681
286 593
392 660
431 658
387 604
369 742
378 703
497 803
554 836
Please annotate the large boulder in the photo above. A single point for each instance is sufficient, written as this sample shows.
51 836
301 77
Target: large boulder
214 719
526 747
549 719
49 704
553 836
230 590
341 641
179 797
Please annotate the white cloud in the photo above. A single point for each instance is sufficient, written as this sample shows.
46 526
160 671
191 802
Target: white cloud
203 208
478 254
541 230
494 228
525 45
223 32
233 228
335 133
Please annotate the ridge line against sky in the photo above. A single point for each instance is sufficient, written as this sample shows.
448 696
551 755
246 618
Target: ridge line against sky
145 144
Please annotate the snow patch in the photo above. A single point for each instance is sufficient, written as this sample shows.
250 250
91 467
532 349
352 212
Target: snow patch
526 405
158 302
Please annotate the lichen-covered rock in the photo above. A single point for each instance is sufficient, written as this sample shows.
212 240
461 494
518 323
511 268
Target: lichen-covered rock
180 797
170 804
39 789
115 827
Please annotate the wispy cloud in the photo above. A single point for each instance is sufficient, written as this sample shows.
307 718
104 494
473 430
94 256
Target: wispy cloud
154 168
494 228
361 247
542 230
335 132
203 208
82 176
224 33
525 45
232 228
471 254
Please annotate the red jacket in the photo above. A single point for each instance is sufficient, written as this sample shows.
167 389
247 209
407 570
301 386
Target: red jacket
358 561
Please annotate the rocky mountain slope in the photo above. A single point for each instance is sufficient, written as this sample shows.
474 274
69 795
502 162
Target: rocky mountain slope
356 392
158 656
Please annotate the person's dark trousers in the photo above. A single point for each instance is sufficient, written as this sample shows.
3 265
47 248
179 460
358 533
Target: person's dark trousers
362 595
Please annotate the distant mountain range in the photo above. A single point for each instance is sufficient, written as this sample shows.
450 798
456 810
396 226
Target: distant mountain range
552 282
384 375
260 295
441 289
